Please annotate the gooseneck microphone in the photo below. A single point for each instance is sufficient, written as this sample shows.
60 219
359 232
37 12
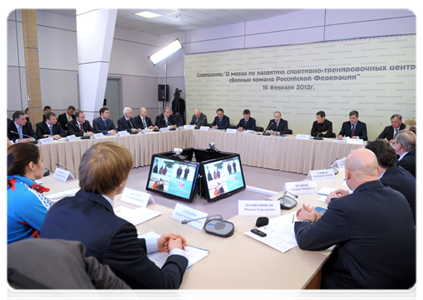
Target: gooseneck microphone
62 166
200 121
335 170
218 227
271 124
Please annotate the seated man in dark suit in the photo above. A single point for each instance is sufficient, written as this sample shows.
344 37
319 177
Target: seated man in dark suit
79 126
354 128
143 121
220 121
66 117
198 119
88 217
165 119
247 123
20 130
405 147
277 125
103 124
127 123
390 132
50 128
392 175
372 228
321 127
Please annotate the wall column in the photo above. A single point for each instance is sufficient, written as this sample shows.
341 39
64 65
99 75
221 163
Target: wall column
95 31
32 65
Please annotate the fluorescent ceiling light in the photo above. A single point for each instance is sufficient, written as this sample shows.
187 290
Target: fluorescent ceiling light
165 52
148 14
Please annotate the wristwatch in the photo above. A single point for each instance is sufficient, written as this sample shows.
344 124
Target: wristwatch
308 221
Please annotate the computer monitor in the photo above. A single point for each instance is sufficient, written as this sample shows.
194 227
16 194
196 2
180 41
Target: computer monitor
173 178
222 177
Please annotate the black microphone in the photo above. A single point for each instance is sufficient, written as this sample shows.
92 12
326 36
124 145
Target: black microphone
199 121
23 134
335 170
271 124
287 202
218 227
62 166
317 137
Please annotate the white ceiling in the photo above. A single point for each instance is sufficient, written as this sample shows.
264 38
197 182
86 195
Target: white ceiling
179 20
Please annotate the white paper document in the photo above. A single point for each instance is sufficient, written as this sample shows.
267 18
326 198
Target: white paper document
326 191
136 216
59 196
280 233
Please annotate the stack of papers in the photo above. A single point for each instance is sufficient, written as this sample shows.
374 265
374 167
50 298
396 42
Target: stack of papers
280 233
193 254
135 216
59 196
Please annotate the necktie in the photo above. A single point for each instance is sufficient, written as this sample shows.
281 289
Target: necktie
104 124
144 123
80 127
167 124
51 130
352 130
395 132
20 132
69 119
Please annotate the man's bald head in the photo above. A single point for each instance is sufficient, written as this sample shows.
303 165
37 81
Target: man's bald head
197 113
361 166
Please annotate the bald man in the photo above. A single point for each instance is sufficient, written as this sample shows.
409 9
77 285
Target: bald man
143 121
198 119
372 228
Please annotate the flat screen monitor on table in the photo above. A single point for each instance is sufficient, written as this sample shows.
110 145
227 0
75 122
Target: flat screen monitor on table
222 177
173 178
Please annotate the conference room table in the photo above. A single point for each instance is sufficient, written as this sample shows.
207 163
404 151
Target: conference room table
239 261
284 153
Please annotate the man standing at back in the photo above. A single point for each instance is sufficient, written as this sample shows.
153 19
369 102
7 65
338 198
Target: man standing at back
104 124
372 228
390 132
354 129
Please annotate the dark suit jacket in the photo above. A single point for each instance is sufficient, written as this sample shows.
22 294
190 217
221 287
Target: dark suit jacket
99 127
388 132
89 218
140 124
251 124
63 120
318 128
401 180
374 232
408 162
27 130
202 120
161 122
42 129
125 125
73 128
57 264
281 128
360 130
221 125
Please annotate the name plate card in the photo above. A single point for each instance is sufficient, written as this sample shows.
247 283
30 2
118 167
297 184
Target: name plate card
340 163
98 135
321 174
46 140
145 130
301 187
204 128
231 130
62 175
303 136
164 129
70 138
123 132
136 197
182 212
259 208
189 126
355 141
